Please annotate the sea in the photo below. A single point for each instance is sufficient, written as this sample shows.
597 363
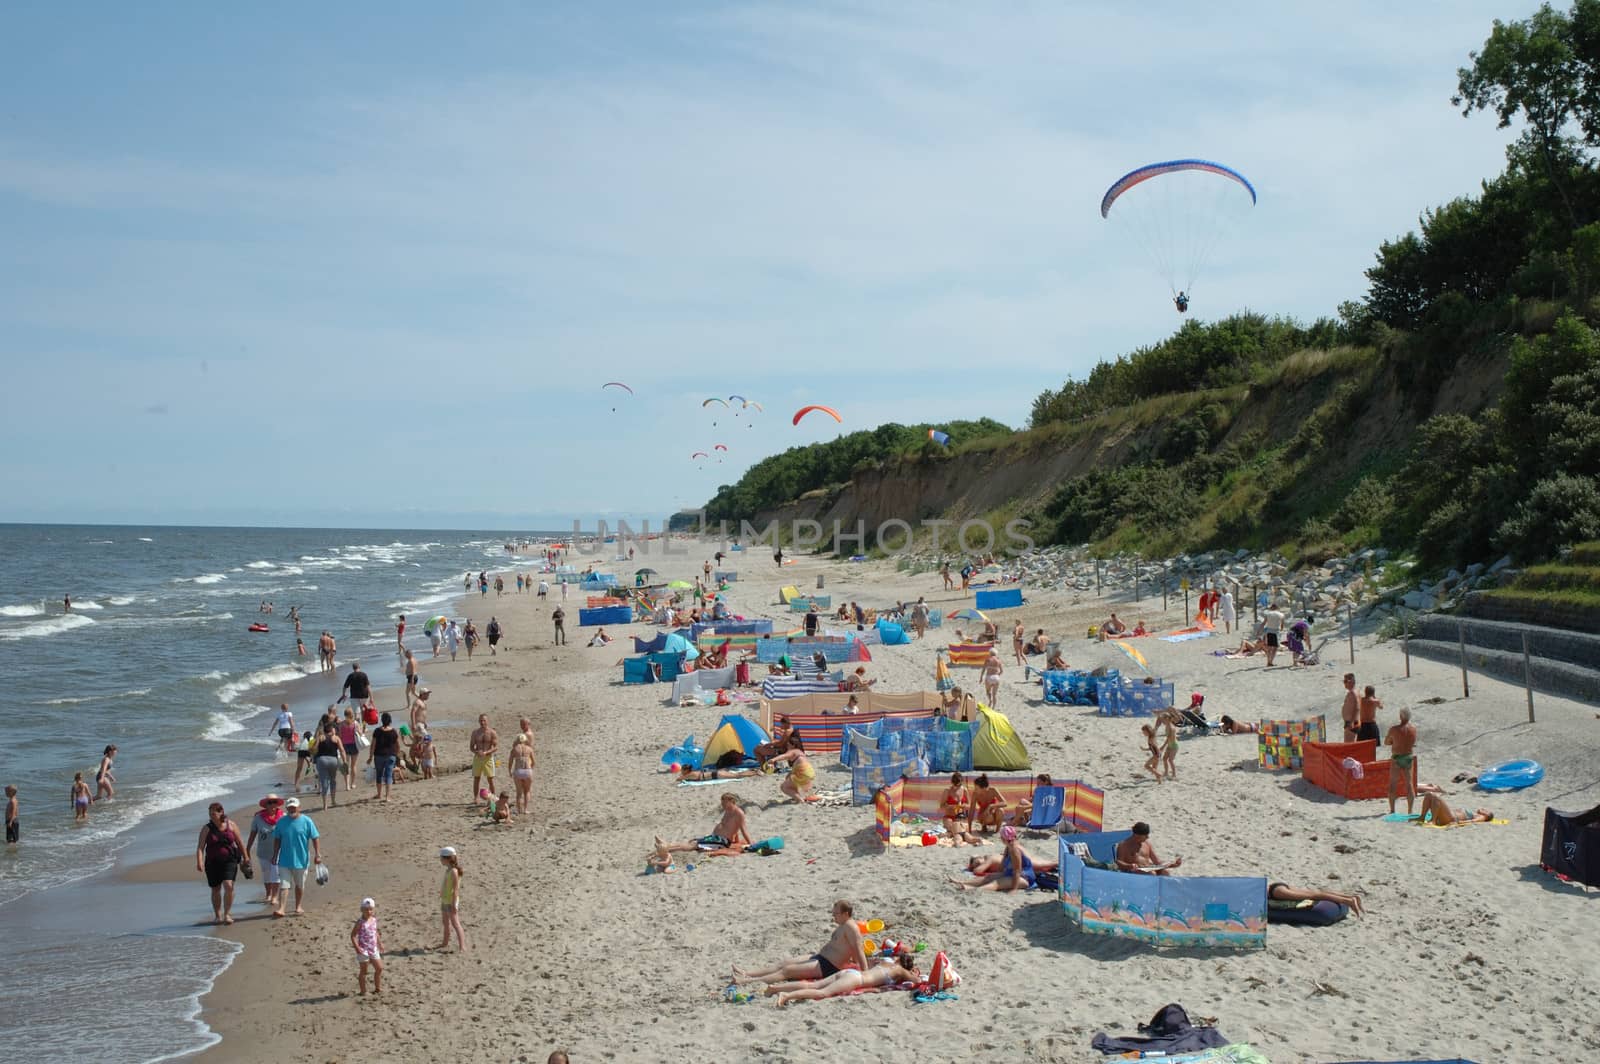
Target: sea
156 657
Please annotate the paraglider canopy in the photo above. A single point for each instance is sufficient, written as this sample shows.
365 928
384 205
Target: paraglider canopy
941 438
830 411
1178 211
616 384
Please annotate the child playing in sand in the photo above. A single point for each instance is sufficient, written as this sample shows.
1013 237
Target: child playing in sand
80 798
1169 755
422 750
502 809
368 944
450 899
1154 759
802 774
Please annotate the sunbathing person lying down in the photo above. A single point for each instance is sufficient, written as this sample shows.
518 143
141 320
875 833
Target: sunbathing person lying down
1284 892
843 952
1443 816
902 969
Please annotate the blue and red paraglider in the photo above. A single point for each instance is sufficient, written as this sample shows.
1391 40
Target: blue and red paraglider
1180 215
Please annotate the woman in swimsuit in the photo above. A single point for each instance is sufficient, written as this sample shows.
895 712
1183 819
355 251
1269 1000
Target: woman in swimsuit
80 798
1237 727
1016 870
1154 759
521 763
1444 816
802 774
103 779
956 808
992 668
988 807
902 969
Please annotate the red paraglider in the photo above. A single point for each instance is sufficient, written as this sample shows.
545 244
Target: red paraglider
830 411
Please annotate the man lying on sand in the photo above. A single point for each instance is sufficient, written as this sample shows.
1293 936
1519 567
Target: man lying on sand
843 952
1134 854
726 839
900 969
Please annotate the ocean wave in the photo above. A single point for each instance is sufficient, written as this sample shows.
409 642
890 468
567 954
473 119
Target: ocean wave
214 674
134 693
411 605
53 626
21 611
357 558
87 604
291 570
121 600
261 565
99 542
260 678
223 726
205 578
146 539
351 567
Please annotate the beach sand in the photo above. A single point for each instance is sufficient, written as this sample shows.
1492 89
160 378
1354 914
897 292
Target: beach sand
1467 949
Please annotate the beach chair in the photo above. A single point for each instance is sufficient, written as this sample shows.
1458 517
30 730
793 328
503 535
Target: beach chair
1048 803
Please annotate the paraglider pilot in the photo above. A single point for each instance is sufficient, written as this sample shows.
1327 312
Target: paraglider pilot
1181 301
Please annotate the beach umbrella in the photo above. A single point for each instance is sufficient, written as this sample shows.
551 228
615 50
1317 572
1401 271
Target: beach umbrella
967 614
645 572
435 622
1132 652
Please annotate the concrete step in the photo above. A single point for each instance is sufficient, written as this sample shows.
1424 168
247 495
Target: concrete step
1554 644
1553 677
1541 612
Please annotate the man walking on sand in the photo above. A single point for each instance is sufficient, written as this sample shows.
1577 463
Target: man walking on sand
484 744
560 617
295 844
1402 741
1272 629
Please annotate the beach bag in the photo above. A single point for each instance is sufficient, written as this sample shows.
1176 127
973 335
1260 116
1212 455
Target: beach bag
323 875
362 740
943 974
741 673
370 715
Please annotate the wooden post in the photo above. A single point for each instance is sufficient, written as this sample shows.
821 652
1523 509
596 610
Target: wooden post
1350 626
1255 603
1405 645
1461 640
1163 587
1097 578
1136 568
1527 675
1186 606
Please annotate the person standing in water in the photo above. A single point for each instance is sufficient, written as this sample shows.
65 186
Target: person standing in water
13 817
66 603
80 798
103 779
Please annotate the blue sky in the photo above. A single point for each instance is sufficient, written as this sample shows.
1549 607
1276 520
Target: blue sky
369 264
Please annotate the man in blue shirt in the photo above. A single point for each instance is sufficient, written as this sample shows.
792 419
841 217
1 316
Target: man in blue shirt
294 846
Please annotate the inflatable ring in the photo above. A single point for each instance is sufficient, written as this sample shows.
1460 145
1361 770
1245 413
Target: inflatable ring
1510 776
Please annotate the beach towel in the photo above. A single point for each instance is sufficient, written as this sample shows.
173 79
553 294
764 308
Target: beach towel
1183 635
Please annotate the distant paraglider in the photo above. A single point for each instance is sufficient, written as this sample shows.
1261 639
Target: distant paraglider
941 438
830 411
616 384
719 447
1180 216
698 454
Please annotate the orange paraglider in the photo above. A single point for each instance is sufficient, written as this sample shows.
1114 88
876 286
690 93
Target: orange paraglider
830 411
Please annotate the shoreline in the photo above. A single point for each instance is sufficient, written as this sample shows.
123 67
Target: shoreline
545 898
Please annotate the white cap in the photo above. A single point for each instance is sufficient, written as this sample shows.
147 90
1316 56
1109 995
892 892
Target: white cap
292 803
368 903
448 851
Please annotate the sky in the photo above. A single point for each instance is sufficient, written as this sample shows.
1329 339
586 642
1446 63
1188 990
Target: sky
372 267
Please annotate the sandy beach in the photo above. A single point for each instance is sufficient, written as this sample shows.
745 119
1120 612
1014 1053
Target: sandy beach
1467 948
